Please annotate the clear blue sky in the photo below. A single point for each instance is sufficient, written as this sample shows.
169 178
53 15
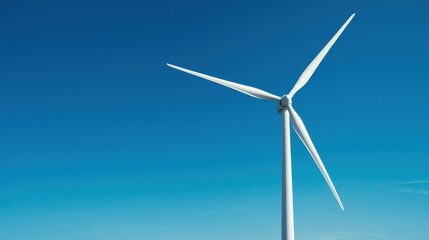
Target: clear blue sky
100 140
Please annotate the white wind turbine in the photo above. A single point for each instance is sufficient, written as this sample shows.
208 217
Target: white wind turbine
288 112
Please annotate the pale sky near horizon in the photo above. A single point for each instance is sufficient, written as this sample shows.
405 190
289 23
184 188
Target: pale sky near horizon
99 139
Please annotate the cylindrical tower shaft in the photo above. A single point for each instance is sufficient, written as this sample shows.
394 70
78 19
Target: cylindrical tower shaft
287 192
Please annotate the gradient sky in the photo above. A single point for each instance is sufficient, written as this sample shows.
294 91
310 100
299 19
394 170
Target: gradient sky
100 140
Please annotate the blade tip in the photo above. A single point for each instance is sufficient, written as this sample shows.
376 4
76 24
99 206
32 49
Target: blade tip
342 206
173 66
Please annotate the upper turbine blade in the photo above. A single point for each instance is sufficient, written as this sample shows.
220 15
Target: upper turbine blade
308 72
300 129
251 91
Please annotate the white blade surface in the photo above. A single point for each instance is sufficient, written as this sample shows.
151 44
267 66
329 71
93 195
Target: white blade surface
308 72
300 129
251 91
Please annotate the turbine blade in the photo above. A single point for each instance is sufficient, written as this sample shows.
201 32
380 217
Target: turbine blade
300 129
308 72
251 91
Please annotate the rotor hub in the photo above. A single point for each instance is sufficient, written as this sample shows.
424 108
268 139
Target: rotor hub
284 102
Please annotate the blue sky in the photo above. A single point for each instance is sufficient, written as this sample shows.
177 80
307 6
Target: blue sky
100 140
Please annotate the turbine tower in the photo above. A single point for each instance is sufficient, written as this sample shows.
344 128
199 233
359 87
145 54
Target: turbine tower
288 113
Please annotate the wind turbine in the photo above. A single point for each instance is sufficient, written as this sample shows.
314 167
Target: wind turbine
288 113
